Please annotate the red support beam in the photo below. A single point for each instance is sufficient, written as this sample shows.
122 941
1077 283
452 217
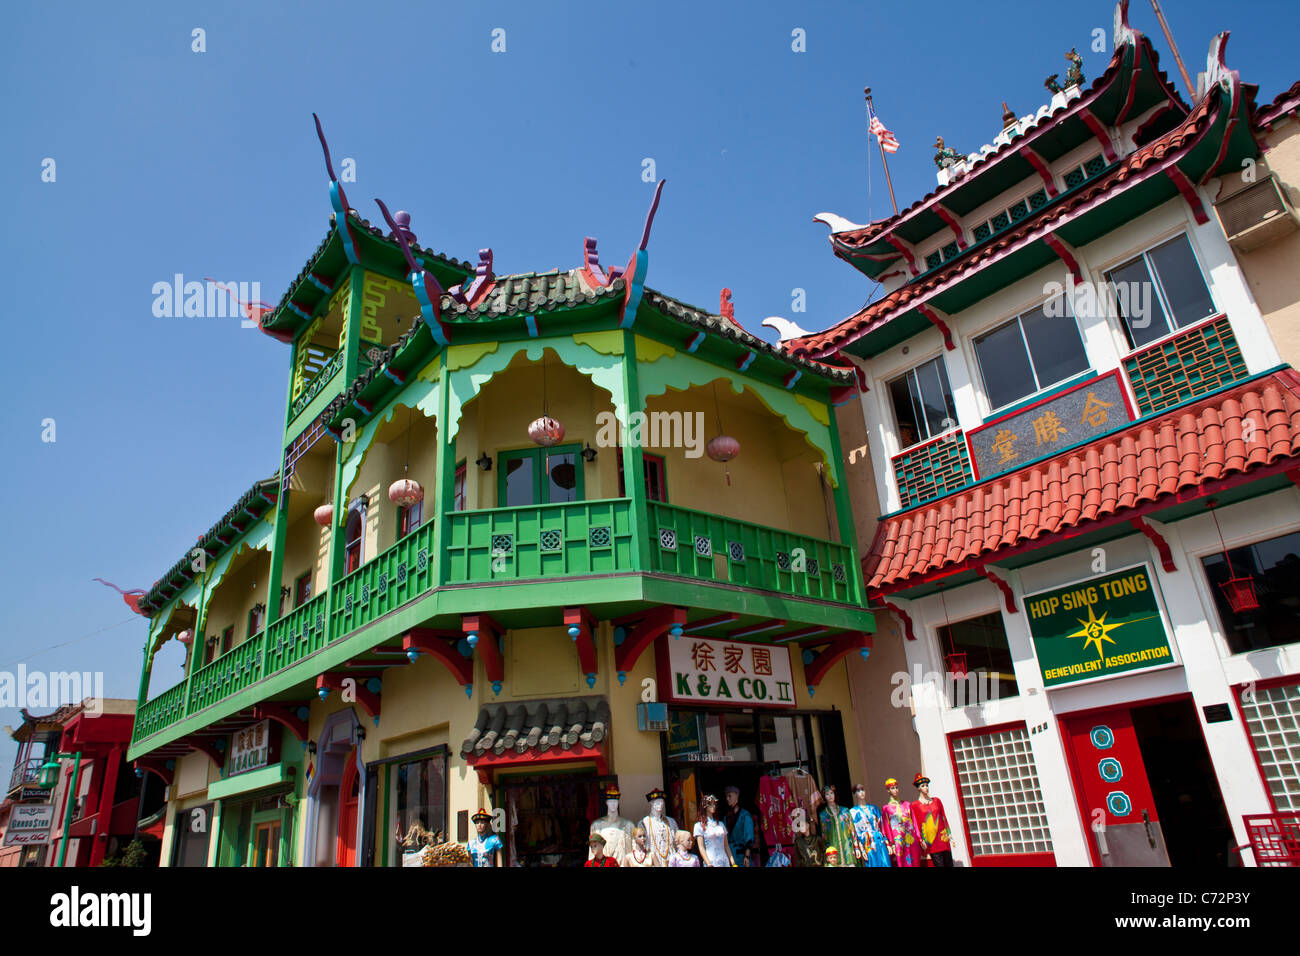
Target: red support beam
710 622
285 715
937 321
157 768
209 747
902 616
1040 167
1065 253
952 222
367 698
582 628
759 628
905 250
1162 546
1189 193
652 625
1099 131
441 645
984 572
486 631
839 648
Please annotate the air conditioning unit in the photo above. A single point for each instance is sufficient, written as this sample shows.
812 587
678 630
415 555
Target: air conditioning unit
652 717
1258 214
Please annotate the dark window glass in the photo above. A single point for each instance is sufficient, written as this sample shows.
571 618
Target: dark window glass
352 538
1181 281
1273 567
227 639
562 477
656 485
421 787
302 590
1136 301
1032 352
923 404
519 481
458 489
408 519
1159 291
983 640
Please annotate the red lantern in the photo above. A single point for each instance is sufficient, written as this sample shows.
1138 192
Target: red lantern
722 448
405 492
546 431
324 515
956 661
1240 593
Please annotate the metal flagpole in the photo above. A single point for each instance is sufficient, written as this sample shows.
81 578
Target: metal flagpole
883 158
1169 37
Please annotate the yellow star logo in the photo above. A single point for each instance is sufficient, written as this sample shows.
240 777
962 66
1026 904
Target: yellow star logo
1095 630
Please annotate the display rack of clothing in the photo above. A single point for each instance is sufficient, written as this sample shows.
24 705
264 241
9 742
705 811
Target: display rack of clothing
775 804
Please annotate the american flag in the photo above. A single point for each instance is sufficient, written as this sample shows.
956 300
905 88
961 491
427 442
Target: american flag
886 138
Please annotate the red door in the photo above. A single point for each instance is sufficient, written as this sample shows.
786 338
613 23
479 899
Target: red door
345 853
1110 781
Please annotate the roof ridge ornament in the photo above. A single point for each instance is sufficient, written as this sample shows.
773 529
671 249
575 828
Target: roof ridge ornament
1123 33
638 264
427 290
784 328
1216 68
837 223
591 263
338 199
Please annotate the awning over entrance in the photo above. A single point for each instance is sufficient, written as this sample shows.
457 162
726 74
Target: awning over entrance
1186 453
533 732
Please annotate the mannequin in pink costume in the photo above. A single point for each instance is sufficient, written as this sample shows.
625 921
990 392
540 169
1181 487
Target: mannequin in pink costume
900 833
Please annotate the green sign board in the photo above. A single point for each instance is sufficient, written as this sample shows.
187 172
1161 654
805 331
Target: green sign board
1102 627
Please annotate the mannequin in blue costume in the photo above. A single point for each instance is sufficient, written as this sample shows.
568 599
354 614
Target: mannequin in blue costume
866 824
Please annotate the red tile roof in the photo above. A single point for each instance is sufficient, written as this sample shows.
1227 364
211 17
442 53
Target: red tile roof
878 313
1144 463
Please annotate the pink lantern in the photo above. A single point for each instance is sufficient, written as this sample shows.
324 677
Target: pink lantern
405 492
546 431
186 637
324 515
722 448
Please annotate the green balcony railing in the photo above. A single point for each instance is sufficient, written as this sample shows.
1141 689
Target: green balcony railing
540 541
301 632
159 713
318 384
713 548
228 674
383 584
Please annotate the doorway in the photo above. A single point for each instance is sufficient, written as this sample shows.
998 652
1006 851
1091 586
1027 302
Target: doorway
345 853
1146 786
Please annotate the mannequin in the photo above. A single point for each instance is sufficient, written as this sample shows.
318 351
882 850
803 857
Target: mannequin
618 841
683 856
484 849
808 847
659 829
711 836
638 854
931 824
866 825
838 832
598 857
740 829
899 831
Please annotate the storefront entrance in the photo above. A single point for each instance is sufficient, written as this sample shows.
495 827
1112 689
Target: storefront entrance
1146 786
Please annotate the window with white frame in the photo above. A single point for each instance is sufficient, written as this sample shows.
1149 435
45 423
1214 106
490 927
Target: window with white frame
1034 351
923 405
1273 722
1161 290
1001 793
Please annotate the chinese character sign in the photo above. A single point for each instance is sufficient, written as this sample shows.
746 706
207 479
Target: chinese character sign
1066 419
250 748
705 670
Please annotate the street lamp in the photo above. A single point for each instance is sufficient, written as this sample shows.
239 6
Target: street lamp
46 780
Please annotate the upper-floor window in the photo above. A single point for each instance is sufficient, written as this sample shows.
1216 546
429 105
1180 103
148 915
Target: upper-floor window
1033 351
1159 291
656 483
1273 569
227 639
923 404
302 590
408 518
458 488
255 619
536 476
352 538
978 647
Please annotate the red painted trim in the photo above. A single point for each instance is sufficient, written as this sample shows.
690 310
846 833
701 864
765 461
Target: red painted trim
762 627
1189 192
840 648
1162 546
368 700
800 634
1007 594
488 630
901 246
904 617
938 323
487 764
1014 859
1040 167
442 646
641 636
1237 689
953 223
585 642
1076 794
710 622
209 747
1064 254
282 714
1099 131
1132 85
956 777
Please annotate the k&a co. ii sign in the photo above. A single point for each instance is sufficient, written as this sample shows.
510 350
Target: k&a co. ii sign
1101 627
703 670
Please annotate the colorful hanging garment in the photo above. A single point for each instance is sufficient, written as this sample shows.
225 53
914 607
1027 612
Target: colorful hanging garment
900 832
775 802
931 825
866 824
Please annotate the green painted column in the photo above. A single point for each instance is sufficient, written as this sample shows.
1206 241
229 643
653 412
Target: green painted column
843 509
634 459
352 357
278 541
445 483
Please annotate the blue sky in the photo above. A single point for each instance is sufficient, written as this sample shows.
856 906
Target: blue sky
171 161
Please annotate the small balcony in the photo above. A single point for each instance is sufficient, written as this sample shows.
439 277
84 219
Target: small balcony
25 772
